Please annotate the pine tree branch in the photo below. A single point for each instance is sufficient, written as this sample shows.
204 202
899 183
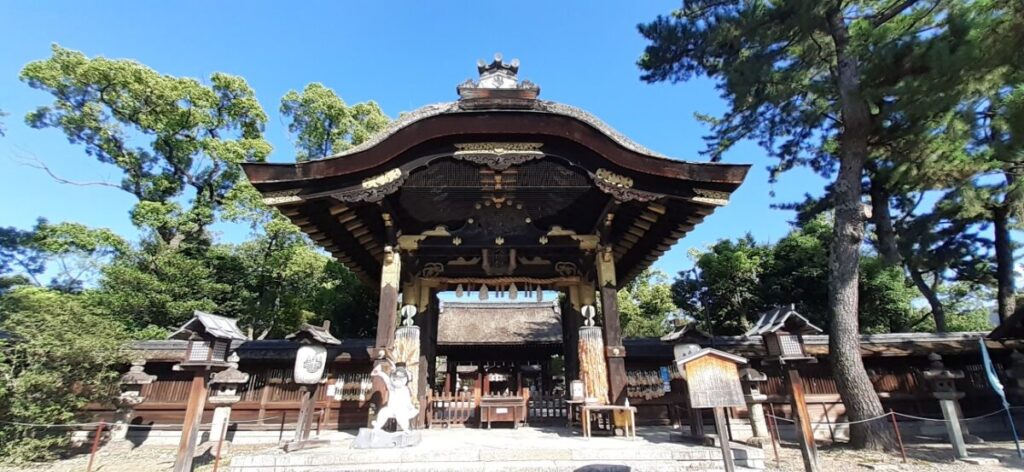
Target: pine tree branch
889 13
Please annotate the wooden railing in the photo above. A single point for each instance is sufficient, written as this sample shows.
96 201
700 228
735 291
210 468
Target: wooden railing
546 408
446 409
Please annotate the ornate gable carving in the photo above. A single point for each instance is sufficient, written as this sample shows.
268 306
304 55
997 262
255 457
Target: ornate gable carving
498 156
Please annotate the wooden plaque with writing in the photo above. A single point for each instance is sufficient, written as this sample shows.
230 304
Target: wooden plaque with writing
713 382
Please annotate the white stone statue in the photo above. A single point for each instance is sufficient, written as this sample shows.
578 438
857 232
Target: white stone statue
399 406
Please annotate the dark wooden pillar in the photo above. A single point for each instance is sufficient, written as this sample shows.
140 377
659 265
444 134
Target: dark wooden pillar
193 418
387 315
570 337
616 352
428 333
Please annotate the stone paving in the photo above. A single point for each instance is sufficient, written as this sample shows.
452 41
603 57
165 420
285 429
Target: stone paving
533 449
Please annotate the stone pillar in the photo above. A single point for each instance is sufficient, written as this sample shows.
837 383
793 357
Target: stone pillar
750 379
942 386
225 387
131 396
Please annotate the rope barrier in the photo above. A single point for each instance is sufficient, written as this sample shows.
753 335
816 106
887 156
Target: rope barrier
943 420
893 413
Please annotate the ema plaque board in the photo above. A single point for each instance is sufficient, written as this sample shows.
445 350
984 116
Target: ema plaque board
713 382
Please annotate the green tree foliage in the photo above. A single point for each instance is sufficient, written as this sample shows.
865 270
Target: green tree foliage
161 287
63 355
735 281
645 305
723 292
967 306
324 125
175 139
271 284
886 298
812 83
76 249
20 261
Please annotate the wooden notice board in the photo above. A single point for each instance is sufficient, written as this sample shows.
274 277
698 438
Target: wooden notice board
713 382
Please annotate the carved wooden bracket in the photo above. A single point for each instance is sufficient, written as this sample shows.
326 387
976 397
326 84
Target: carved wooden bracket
621 187
373 189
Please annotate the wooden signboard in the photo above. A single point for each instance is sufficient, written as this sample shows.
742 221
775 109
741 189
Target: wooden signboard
713 382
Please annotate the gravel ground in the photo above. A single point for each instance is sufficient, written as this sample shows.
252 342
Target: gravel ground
924 457
920 457
145 458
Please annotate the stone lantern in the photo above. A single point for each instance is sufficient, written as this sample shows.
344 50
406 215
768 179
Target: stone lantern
224 394
941 384
131 396
750 380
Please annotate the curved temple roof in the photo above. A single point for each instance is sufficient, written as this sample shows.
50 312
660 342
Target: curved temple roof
433 174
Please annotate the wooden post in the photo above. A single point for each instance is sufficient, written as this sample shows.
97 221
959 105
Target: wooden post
95 445
723 439
696 423
801 419
899 439
193 418
305 421
220 444
773 431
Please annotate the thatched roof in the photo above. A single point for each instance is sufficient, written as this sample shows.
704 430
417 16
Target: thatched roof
499 323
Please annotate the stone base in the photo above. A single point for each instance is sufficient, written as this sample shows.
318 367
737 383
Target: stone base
980 460
225 447
758 441
307 444
369 438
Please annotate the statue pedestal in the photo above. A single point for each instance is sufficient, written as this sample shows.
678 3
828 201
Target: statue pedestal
369 438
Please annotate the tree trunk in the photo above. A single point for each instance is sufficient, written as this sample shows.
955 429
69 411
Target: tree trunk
938 312
852 381
1006 298
881 216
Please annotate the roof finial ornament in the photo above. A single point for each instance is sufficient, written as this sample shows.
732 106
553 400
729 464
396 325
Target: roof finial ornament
498 74
498 84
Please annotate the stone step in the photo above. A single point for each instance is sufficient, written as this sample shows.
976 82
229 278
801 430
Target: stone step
506 466
470 460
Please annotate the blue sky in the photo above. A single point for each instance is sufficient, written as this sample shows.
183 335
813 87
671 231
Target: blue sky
401 54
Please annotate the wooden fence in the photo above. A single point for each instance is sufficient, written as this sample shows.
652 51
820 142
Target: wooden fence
446 409
546 408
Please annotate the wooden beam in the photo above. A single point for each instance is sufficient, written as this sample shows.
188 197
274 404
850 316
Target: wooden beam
360 259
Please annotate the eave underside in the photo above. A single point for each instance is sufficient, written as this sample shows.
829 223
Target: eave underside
530 210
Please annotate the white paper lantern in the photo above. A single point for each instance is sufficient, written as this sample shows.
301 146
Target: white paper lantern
310 361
